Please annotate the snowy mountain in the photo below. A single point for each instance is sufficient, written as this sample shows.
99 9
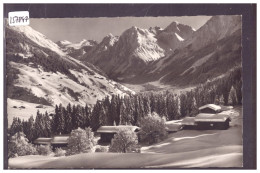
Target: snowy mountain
39 72
173 35
126 56
176 55
208 53
76 50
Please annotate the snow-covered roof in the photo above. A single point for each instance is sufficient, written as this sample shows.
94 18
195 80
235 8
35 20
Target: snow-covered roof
42 141
60 140
115 129
211 106
188 121
211 117
174 127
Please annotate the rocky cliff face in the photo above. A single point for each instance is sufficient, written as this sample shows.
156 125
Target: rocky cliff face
130 53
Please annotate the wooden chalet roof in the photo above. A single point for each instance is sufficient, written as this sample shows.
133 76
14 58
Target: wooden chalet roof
211 117
40 140
115 129
211 106
60 139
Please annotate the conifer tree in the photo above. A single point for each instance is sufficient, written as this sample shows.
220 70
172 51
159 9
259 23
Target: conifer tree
87 114
124 119
16 126
61 119
28 129
232 98
79 117
68 119
98 116
47 122
113 110
238 88
55 120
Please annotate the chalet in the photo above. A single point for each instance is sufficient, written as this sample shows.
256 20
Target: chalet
173 126
189 123
212 121
210 117
108 132
42 141
210 109
59 141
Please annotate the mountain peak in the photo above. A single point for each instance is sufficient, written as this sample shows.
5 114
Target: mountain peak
177 27
173 27
109 40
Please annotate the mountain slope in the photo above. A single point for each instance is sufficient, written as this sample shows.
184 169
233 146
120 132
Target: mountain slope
173 35
215 29
208 53
38 71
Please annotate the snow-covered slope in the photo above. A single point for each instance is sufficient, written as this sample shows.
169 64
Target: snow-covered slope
23 109
183 149
38 38
209 52
50 76
217 28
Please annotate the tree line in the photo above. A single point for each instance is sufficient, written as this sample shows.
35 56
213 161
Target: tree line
129 110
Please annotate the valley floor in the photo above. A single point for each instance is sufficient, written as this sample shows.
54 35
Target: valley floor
183 149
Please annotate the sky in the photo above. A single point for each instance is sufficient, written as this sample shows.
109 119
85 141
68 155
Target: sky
77 29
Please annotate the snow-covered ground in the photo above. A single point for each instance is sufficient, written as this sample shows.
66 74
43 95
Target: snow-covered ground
53 86
38 38
183 149
157 86
15 109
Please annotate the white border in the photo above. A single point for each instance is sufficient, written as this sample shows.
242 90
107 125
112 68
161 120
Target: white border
117 1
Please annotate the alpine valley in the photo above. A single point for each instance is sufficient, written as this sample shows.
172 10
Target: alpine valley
41 73
177 56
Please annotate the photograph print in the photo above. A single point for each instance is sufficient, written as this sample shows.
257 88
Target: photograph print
124 92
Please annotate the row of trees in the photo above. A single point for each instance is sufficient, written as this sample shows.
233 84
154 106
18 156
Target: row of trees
41 126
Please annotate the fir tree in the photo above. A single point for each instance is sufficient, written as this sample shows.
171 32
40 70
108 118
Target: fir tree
16 126
68 119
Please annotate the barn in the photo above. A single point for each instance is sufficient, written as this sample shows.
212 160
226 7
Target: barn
189 123
108 132
212 121
173 126
210 109
42 141
210 117
60 141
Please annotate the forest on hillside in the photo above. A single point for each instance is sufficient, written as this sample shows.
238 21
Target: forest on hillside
129 110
